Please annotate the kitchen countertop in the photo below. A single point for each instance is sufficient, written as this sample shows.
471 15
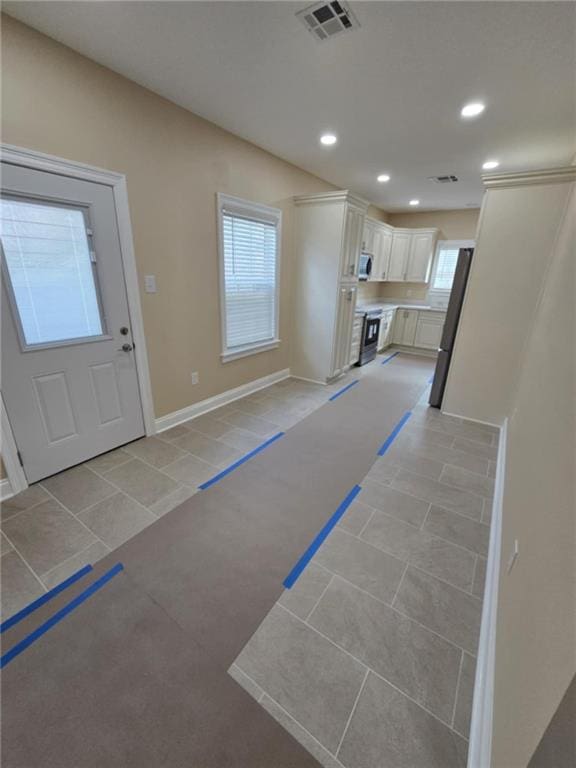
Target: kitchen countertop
391 304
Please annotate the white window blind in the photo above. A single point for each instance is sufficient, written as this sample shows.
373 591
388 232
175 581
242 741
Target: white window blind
249 265
445 268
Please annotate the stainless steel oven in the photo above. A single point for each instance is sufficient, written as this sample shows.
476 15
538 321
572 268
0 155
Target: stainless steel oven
370 333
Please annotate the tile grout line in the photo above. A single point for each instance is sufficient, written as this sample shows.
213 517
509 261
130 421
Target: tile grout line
397 610
17 514
460 667
26 563
316 604
370 669
75 516
407 493
352 712
399 585
366 524
47 573
427 533
425 520
402 560
297 722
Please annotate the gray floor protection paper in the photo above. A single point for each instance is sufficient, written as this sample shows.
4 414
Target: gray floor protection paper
118 684
212 568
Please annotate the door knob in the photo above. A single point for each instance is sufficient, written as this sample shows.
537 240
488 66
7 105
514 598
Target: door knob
126 348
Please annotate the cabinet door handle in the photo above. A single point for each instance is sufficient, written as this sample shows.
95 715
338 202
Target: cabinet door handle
352 270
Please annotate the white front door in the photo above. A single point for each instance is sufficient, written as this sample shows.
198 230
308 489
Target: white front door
69 377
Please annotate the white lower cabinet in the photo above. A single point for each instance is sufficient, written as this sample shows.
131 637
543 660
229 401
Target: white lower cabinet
357 328
385 333
429 329
344 324
405 327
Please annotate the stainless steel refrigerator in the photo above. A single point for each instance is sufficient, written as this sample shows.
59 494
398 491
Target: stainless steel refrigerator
450 326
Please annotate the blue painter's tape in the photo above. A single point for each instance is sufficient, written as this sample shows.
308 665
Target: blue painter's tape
292 577
387 360
44 599
394 434
236 464
344 389
59 615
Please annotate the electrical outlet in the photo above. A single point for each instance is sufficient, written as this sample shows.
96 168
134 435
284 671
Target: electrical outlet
195 377
150 283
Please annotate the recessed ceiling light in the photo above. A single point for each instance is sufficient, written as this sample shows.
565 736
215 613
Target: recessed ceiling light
472 110
383 177
328 139
414 202
490 164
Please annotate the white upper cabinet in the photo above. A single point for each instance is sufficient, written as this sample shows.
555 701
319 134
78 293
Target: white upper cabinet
368 236
399 256
351 246
385 251
420 256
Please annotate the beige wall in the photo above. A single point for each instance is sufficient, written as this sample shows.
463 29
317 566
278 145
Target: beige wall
453 225
59 102
536 630
515 238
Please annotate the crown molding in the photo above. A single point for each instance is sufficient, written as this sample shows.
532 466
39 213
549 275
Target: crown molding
339 196
529 178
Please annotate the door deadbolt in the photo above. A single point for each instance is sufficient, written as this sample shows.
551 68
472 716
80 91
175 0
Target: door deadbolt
124 331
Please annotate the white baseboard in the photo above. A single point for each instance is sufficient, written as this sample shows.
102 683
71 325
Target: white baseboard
475 421
480 750
420 351
211 403
5 489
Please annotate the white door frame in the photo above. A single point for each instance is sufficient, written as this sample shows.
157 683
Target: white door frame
117 181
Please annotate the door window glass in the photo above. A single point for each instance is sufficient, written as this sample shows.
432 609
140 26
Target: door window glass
49 261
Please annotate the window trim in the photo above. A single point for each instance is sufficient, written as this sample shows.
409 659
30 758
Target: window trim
269 215
443 293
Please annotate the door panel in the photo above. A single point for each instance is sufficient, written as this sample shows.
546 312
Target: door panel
399 256
420 258
70 390
55 405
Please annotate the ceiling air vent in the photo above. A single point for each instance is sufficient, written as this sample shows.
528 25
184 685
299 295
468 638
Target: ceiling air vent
443 179
326 20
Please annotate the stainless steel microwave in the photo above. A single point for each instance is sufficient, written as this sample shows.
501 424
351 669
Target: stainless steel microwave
365 266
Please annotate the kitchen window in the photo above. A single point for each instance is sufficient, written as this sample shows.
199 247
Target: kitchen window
249 249
443 270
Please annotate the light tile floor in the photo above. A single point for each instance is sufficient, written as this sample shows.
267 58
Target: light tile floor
76 517
369 660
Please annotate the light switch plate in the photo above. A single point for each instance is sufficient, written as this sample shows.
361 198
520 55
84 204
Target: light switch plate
150 283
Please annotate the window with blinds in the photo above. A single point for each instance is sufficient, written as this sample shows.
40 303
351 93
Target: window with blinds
445 268
249 262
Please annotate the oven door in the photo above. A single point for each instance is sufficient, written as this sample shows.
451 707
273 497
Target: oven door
371 330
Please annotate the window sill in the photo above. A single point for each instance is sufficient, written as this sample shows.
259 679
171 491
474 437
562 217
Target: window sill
253 349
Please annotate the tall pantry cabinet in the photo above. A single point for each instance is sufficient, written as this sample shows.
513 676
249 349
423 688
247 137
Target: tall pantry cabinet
328 235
